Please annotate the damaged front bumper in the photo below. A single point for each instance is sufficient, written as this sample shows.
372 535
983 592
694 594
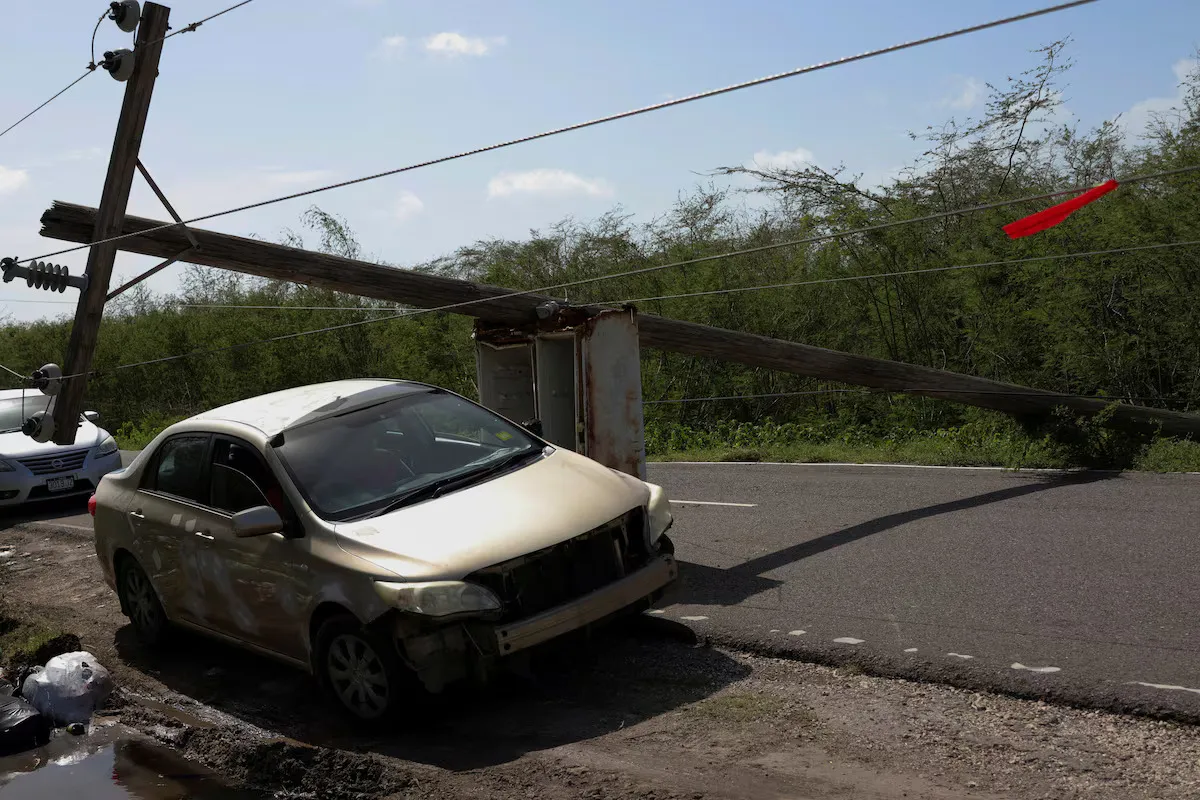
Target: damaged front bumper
473 648
641 585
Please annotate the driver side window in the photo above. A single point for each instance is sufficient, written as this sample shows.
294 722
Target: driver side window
241 480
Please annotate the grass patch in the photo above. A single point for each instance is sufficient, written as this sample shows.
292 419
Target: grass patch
981 443
1171 455
26 643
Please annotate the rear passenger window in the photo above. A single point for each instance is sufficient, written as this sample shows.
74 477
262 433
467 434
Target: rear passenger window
180 470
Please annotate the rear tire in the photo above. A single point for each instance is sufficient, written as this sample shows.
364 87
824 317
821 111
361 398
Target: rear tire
140 602
361 671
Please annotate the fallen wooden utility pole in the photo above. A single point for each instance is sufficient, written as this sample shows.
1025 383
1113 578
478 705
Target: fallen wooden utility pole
107 222
74 223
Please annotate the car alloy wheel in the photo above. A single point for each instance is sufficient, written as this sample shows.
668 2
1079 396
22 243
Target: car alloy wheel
141 602
358 676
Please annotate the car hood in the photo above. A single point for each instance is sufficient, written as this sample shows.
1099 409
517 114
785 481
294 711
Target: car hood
534 507
18 445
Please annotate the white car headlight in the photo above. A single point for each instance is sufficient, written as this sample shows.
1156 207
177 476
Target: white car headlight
437 598
106 448
6 467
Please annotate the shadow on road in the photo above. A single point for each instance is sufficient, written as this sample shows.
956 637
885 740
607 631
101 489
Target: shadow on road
626 673
43 511
702 585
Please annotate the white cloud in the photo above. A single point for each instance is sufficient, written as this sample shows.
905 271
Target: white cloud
12 179
785 159
454 44
407 205
554 182
966 96
278 177
1138 117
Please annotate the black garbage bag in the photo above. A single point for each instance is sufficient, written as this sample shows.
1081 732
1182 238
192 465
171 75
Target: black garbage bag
22 727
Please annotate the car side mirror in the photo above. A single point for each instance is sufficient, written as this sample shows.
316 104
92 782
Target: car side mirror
534 426
257 521
92 416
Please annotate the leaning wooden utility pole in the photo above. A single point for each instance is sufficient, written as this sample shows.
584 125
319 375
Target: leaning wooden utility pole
110 219
72 223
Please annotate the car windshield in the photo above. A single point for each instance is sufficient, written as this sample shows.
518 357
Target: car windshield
367 460
12 414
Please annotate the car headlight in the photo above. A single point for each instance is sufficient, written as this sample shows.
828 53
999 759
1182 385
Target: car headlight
437 598
6 467
106 448
659 510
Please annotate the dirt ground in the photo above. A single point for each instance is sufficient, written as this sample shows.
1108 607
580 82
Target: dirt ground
644 712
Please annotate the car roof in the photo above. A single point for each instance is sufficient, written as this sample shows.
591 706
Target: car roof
278 411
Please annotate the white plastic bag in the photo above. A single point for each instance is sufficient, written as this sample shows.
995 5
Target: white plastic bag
69 689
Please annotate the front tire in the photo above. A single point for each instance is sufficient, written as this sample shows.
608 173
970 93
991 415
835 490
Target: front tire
361 670
140 602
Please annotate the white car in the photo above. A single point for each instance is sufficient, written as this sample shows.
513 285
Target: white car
32 470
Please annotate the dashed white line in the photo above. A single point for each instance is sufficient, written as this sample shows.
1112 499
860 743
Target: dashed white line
796 633
959 655
1018 665
657 611
693 619
1166 686
848 640
910 649
712 503
775 630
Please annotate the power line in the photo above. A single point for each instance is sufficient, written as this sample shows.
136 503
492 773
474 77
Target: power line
823 237
14 372
92 64
48 102
589 123
286 308
843 278
192 26
452 306
643 270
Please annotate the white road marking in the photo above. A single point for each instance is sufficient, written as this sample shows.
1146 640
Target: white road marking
712 503
1166 686
848 640
694 619
910 649
774 630
657 611
1017 665
959 655
796 633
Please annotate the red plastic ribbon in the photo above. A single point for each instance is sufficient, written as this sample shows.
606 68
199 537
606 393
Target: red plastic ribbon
1053 215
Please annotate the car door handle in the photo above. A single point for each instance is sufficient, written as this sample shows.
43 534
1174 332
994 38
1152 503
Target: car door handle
204 535
138 515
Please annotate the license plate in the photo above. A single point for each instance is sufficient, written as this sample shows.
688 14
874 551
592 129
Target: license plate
60 484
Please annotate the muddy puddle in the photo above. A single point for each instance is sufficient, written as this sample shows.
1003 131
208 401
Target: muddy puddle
109 764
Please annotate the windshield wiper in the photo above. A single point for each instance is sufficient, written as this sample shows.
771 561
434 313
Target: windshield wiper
444 485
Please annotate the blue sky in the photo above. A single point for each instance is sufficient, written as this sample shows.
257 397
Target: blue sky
284 95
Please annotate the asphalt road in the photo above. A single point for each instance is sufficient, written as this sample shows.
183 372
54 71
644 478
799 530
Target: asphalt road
1081 588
